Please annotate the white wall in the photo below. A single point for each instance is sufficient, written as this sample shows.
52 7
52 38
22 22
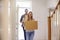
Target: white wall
4 20
40 13
0 21
8 23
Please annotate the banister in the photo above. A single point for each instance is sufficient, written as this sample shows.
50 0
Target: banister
49 20
55 8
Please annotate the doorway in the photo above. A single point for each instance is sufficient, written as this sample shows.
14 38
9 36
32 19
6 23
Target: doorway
21 6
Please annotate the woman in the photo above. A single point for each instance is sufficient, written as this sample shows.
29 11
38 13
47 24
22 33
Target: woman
29 33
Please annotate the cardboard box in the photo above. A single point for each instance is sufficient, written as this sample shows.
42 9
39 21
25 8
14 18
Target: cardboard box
31 25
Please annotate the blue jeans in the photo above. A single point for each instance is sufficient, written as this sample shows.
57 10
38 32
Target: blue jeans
30 35
24 34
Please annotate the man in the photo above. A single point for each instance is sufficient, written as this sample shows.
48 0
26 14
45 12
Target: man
22 21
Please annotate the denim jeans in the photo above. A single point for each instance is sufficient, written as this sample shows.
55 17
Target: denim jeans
30 35
24 34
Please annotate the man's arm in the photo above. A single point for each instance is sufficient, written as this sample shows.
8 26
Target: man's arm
21 20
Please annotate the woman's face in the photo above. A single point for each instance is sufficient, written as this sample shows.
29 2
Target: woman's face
30 14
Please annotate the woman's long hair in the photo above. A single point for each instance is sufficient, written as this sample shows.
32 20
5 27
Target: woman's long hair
30 18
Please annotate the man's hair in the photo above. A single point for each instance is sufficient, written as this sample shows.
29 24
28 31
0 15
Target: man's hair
26 9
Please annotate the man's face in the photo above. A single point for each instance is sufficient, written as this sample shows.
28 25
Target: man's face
26 10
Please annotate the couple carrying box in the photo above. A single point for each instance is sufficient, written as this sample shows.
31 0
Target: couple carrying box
28 24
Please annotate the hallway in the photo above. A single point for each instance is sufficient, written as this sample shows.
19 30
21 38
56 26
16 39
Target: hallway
46 12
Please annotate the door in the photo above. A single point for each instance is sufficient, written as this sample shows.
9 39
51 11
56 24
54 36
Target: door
21 6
